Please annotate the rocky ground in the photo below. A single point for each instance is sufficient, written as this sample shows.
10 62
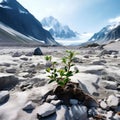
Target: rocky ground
24 84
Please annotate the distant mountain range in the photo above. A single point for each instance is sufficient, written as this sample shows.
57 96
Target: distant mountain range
15 16
56 29
107 34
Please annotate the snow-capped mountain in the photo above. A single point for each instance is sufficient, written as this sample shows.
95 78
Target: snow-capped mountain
56 29
14 15
108 33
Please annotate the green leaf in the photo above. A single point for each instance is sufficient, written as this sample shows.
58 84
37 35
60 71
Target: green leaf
61 83
70 73
48 70
51 81
64 60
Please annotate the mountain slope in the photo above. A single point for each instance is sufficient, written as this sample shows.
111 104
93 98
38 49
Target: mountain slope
57 29
9 37
18 18
108 33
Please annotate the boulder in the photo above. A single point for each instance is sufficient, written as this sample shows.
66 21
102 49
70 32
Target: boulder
37 51
8 81
4 95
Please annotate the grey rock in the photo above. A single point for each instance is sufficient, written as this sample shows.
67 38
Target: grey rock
11 70
24 58
77 60
111 85
56 102
4 95
16 54
78 112
100 62
29 106
46 109
5 64
8 81
103 105
116 117
37 51
112 101
108 52
29 54
73 101
62 113
51 97
92 112
109 115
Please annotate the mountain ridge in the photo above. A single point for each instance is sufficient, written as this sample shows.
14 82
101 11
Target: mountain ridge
56 29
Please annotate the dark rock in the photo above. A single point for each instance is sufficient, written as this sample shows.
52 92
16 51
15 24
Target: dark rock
24 58
4 95
72 91
86 56
37 51
108 52
8 82
93 45
11 70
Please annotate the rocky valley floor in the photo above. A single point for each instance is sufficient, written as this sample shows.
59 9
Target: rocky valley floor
24 83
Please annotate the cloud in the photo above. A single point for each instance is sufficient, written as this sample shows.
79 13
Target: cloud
114 20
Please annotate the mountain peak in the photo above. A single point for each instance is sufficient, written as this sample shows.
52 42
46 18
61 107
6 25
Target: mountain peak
57 29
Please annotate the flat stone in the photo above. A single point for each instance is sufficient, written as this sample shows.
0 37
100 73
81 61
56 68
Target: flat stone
73 101
46 109
112 101
4 95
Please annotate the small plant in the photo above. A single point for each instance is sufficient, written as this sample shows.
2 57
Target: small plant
61 75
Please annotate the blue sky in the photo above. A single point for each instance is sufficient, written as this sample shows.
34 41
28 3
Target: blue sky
81 15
